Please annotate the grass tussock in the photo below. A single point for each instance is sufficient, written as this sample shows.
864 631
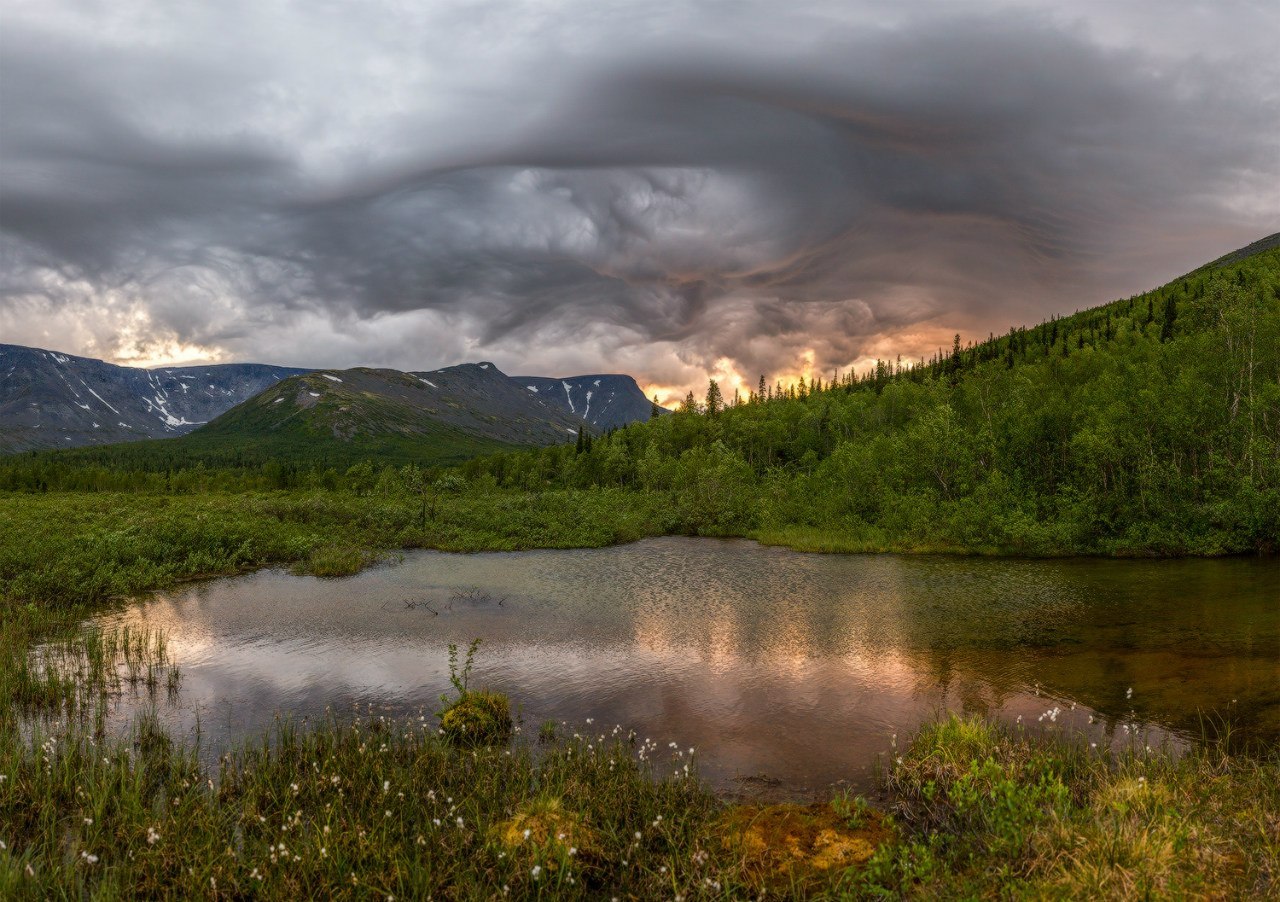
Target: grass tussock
985 811
479 717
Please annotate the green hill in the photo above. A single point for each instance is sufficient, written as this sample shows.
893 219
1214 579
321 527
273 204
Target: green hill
1147 425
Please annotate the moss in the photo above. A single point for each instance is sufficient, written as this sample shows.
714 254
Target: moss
799 845
544 832
479 717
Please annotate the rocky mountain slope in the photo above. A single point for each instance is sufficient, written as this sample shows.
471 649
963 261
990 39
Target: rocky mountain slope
605 401
52 400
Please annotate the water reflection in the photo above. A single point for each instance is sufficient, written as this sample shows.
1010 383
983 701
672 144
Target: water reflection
796 666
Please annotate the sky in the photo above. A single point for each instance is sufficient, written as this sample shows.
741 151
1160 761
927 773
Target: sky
671 189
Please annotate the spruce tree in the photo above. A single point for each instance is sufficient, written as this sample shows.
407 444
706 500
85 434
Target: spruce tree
1170 314
715 401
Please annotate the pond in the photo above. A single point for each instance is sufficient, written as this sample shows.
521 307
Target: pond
789 673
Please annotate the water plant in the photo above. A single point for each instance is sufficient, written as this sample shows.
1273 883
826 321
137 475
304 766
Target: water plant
474 717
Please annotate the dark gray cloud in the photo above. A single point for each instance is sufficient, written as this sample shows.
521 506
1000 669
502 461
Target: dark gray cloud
669 190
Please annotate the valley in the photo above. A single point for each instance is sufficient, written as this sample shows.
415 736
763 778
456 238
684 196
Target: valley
1013 644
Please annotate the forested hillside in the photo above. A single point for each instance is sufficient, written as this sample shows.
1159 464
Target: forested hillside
1147 424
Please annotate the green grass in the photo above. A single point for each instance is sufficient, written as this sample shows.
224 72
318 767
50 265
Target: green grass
67 549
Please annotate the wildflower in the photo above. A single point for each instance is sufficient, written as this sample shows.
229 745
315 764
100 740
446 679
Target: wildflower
2 845
88 822
459 822
152 836
537 869
1129 693
91 859
573 850
526 833
637 834
386 785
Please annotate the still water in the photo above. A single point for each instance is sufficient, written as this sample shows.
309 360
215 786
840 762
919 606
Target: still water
785 670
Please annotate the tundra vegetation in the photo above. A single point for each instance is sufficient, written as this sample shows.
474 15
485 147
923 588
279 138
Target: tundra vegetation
1149 426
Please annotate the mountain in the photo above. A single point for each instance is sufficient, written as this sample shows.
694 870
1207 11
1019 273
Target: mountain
51 400
472 401
605 401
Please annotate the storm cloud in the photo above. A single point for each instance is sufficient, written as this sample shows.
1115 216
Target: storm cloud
667 189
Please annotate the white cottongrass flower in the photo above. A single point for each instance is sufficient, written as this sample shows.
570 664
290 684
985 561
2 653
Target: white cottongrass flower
153 836
537 869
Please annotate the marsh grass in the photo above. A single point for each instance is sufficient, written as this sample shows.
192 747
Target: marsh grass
388 807
51 664
985 810
372 808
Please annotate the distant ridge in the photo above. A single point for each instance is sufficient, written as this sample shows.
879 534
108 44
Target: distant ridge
52 400
604 400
